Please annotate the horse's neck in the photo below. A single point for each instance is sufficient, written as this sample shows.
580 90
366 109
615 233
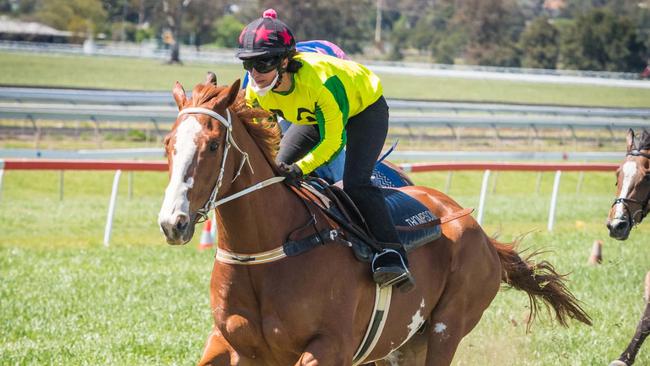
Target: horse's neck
261 220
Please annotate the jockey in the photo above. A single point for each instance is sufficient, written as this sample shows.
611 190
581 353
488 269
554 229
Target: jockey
341 103
332 171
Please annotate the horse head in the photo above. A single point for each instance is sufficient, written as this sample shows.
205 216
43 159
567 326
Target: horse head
633 188
197 149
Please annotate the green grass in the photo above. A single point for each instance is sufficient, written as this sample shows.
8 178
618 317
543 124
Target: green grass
67 300
141 74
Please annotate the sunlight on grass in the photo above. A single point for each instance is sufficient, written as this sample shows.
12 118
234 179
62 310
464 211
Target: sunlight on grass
67 300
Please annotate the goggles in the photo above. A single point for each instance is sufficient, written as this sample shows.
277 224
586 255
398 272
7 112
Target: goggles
262 65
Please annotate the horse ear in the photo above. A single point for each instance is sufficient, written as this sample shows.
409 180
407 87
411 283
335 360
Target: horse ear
211 78
630 140
233 91
179 95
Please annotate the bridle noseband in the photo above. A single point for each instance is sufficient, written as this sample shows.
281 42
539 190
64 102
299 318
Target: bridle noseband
642 204
212 202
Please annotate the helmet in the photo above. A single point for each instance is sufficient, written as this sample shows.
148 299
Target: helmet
265 36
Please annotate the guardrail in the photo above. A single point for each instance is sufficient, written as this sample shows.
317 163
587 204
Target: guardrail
27 96
157 107
118 166
397 155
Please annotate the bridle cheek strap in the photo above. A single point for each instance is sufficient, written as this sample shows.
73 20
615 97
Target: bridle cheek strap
212 202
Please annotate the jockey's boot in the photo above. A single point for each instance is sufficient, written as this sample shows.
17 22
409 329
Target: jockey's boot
390 267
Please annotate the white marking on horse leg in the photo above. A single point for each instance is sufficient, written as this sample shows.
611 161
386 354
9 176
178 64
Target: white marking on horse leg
422 303
440 327
176 201
416 322
393 358
629 171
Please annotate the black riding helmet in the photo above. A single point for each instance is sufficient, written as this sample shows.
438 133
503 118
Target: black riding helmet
265 37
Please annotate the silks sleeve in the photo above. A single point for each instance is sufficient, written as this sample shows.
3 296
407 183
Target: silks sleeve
332 110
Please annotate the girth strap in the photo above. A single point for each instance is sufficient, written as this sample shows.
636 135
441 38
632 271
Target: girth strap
376 325
289 249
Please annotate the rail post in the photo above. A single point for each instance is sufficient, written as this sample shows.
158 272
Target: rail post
481 200
556 188
111 208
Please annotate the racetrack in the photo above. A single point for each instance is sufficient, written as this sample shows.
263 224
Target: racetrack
67 300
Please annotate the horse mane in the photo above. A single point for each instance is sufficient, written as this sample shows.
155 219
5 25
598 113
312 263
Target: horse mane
265 132
643 142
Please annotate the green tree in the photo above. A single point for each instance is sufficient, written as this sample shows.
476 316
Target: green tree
493 28
602 41
540 44
78 16
346 23
226 31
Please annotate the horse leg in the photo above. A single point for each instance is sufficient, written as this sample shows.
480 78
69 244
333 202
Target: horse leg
466 296
642 331
218 352
412 353
326 351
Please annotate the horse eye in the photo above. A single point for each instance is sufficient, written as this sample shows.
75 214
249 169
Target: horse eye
214 145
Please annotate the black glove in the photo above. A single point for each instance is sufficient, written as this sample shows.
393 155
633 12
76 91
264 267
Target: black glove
292 173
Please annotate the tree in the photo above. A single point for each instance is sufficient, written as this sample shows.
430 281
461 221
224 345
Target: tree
350 24
493 28
602 41
174 11
201 16
540 44
226 31
78 16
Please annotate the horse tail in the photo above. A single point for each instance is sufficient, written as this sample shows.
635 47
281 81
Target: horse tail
541 282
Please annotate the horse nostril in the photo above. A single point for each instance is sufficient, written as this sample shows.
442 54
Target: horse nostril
181 226
621 226
182 222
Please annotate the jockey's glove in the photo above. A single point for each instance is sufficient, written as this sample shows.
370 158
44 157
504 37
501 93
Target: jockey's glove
292 173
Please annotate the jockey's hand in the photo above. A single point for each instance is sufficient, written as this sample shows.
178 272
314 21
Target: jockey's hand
292 173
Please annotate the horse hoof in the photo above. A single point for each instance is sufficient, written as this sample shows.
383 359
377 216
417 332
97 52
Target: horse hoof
618 363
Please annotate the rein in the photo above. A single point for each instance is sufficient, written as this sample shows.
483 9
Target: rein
212 202
642 204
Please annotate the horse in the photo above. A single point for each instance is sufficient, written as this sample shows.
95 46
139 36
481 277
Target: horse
630 207
315 308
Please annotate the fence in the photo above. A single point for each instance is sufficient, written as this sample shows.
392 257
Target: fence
118 166
156 108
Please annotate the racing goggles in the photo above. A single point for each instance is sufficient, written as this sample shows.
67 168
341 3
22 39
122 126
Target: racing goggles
262 65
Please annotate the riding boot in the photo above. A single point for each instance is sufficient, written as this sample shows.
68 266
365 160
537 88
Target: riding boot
390 267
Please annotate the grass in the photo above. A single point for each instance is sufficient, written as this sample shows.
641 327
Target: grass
67 300
143 74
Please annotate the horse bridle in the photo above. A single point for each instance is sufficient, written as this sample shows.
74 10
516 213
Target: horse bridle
212 202
642 204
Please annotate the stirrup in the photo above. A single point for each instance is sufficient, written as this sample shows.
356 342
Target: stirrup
388 252
402 276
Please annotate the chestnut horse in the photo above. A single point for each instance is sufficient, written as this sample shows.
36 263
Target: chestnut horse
314 308
628 210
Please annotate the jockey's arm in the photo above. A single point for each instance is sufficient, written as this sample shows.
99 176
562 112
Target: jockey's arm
331 115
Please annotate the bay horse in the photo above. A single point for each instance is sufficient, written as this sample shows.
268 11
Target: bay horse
314 308
628 210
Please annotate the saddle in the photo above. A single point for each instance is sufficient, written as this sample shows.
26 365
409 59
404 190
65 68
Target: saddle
416 225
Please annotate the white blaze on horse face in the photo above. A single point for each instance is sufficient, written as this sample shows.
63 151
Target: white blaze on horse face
176 201
629 171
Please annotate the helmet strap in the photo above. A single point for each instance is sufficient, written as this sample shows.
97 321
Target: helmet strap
281 71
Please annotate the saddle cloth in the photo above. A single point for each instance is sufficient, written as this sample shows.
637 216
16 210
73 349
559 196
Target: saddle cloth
416 225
